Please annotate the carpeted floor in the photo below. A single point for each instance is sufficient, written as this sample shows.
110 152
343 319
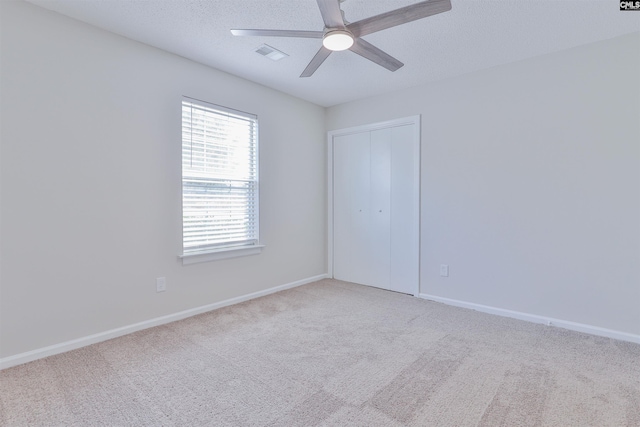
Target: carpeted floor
333 354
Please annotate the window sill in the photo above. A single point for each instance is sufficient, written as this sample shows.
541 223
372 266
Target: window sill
225 253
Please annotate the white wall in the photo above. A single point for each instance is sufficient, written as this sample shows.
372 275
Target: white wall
531 183
91 191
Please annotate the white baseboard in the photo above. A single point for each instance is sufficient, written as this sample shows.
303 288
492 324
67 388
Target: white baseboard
549 321
40 353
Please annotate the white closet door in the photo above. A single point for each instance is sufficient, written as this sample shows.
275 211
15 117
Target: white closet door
375 207
352 189
379 237
404 245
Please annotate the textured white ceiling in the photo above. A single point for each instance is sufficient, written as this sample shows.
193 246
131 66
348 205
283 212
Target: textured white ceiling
474 35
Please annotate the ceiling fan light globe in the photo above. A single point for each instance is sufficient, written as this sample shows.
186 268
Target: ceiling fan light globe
337 40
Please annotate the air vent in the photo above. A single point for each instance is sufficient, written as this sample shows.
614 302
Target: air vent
271 52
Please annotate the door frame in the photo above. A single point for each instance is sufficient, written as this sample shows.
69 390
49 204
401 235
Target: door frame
411 120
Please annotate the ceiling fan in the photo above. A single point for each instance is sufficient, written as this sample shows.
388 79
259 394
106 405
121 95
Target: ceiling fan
338 34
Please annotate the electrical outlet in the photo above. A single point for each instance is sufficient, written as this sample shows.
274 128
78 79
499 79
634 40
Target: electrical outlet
444 270
161 284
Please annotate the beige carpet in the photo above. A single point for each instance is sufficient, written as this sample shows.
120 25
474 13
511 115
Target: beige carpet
333 354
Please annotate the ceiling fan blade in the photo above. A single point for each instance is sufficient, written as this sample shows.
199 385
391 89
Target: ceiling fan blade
372 53
279 33
317 60
399 16
331 13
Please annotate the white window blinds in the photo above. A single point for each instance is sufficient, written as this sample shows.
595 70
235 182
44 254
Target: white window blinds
219 178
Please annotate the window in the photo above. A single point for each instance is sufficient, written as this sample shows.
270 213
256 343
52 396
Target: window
219 180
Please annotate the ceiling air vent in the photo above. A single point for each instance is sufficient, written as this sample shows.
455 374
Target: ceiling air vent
271 52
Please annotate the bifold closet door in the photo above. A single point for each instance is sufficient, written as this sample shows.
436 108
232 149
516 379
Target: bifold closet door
405 210
379 233
374 211
351 194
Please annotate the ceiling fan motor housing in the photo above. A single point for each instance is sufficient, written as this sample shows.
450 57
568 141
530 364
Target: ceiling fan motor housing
337 40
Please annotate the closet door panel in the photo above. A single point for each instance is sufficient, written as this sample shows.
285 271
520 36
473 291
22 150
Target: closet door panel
352 179
360 193
380 213
341 210
404 244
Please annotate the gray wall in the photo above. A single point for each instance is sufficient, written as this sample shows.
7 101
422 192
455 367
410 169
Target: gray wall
91 190
531 183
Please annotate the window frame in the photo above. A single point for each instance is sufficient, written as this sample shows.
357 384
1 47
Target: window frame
218 252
